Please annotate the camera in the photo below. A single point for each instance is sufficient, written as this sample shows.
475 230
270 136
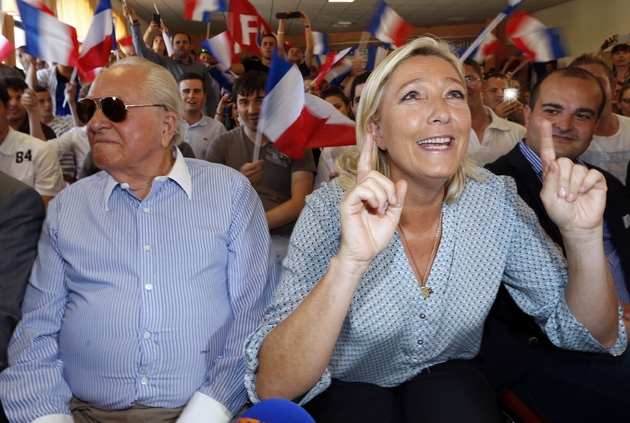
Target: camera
157 18
510 94
292 15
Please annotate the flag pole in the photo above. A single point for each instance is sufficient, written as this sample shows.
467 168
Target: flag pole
495 22
72 78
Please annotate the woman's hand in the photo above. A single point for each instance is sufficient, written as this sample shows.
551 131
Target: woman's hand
573 195
369 212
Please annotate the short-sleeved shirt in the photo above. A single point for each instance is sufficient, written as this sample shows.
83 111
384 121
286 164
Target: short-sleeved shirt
251 65
611 153
199 134
235 148
31 161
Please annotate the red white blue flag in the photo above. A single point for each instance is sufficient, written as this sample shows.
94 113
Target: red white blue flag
489 46
222 48
47 38
295 121
376 55
336 68
100 38
246 25
6 48
320 43
199 10
529 35
388 27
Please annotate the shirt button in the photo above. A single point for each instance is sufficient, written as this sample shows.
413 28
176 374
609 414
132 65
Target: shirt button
144 381
422 315
148 287
124 185
147 247
146 210
420 342
146 335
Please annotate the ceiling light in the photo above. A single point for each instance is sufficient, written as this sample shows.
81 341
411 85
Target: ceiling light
344 23
340 1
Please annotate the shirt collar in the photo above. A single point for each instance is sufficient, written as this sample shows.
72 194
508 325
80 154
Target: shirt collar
535 161
179 173
497 122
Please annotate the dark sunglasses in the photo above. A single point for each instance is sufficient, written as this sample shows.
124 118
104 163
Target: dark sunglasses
113 108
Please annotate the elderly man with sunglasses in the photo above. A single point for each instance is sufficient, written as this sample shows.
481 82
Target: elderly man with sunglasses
149 275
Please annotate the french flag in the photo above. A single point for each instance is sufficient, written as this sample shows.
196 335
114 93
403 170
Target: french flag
388 27
222 48
295 121
534 39
100 38
376 55
199 10
223 76
489 46
6 48
47 38
336 68
320 43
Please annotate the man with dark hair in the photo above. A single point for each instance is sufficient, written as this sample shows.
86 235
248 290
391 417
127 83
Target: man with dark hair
506 107
23 113
200 129
491 136
267 44
59 124
26 158
182 63
281 182
355 91
565 386
610 148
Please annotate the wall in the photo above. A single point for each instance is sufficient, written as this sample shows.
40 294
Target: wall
586 23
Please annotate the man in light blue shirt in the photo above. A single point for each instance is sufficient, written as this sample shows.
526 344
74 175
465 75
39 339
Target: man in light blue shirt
149 276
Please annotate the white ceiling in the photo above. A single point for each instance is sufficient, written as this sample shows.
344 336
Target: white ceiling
324 16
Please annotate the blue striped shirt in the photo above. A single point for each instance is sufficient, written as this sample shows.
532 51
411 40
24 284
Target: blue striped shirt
613 259
142 302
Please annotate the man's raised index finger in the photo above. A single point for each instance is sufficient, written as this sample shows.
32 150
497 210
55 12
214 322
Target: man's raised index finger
364 165
547 150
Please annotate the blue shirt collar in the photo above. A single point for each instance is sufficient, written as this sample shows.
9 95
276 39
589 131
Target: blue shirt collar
534 160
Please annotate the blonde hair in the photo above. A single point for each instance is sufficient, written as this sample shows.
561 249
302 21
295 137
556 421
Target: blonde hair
370 110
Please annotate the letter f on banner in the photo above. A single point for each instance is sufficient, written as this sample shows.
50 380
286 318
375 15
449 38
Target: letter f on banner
244 23
249 28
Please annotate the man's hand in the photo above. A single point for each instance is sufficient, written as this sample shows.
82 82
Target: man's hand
506 108
29 101
253 171
70 92
129 11
574 196
369 211
304 18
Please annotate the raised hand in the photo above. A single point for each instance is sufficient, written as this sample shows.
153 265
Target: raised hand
574 196
369 211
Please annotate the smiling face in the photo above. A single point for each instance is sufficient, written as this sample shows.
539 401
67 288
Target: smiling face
193 95
136 144
16 111
249 108
425 121
571 105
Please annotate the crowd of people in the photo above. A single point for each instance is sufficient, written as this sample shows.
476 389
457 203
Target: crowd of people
470 243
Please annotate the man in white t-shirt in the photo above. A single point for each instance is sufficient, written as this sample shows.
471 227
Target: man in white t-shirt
610 149
28 159
491 136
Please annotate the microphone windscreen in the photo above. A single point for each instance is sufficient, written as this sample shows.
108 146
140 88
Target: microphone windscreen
275 410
